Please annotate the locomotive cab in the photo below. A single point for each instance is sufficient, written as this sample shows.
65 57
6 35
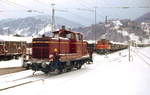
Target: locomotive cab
67 35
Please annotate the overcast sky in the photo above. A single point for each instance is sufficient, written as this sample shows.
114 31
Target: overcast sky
110 8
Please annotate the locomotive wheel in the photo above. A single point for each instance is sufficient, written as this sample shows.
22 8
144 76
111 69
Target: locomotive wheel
34 67
58 71
79 66
69 69
64 70
45 70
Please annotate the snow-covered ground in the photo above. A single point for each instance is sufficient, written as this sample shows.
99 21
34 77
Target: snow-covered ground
13 38
109 75
11 63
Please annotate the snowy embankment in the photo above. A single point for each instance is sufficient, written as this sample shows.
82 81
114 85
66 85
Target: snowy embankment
11 63
14 38
109 75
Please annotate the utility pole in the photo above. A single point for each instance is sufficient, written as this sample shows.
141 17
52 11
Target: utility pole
105 26
44 28
53 18
95 12
8 31
106 19
129 49
37 31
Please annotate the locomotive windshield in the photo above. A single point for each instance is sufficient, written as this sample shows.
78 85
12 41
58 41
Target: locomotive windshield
64 34
56 35
79 37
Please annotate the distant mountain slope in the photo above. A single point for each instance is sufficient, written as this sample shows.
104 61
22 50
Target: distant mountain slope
91 31
32 25
115 30
144 18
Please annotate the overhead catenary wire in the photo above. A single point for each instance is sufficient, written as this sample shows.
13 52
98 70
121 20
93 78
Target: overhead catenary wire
10 3
39 2
7 3
73 13
83 18
82 4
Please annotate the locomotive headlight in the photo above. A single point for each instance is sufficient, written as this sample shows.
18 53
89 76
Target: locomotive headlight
51 57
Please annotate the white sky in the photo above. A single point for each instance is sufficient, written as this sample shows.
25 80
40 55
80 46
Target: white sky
10 10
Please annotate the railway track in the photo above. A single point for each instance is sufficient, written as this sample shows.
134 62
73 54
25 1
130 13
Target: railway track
4 71
12 81
1 89
26 77
23 78
22 83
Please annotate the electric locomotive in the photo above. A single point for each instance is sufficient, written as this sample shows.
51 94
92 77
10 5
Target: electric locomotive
104 46
61 53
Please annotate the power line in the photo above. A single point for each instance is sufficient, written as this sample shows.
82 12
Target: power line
21 6
17 4
124 7
39 2
6 3
75 14
82 4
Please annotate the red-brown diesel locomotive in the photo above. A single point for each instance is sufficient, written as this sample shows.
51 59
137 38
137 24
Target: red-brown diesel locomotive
62 52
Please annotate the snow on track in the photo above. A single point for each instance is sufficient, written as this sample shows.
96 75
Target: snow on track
109 75
9 70
11 63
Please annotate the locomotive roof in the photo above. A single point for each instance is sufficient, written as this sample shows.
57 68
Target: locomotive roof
66 31
63 31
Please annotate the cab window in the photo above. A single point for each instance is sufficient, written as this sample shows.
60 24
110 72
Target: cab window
79 37
56 35
71 36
